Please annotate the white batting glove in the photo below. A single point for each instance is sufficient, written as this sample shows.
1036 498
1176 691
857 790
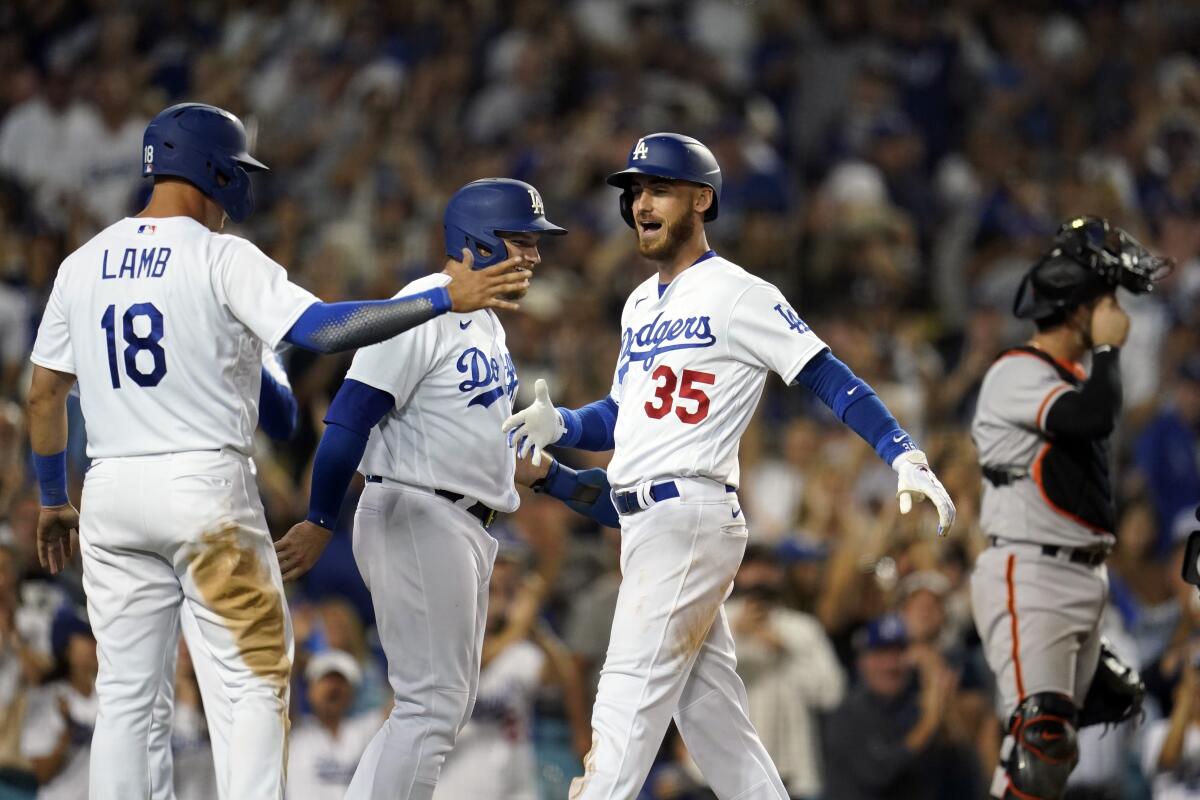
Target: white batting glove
537 427
917 480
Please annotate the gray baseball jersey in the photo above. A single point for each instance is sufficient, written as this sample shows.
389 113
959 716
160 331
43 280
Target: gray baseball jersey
1054 490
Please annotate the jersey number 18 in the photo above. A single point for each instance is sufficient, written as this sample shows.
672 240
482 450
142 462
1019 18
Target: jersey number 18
135 344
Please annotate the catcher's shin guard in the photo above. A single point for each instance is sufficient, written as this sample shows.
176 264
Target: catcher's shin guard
1039 751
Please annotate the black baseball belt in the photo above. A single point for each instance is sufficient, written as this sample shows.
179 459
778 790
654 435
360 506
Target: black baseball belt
484 513
1088 556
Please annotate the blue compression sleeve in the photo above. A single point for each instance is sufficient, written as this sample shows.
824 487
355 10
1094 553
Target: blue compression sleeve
52 478
331 327
590 427
855 403
586 492
278 412
356 409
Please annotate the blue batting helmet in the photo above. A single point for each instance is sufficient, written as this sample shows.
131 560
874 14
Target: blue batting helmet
672 156
206 146
480 211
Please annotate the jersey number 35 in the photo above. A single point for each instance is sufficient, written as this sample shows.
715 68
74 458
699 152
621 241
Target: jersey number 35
664 394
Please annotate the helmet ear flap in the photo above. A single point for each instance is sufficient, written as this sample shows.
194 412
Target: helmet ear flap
626 202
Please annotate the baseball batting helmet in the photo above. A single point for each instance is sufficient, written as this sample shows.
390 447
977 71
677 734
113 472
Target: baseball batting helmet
672 156
1089 258
482 210
206 146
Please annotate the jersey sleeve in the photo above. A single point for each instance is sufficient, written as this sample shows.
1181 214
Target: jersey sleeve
765 332
397 365
257 291
1022 390
52 349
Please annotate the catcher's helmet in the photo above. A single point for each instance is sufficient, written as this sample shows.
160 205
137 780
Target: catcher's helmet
672 156
1089 258
480 211
206 146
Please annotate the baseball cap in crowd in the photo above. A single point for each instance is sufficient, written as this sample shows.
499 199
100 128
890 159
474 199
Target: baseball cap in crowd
927 579
328 662
67 623
880 633
800 548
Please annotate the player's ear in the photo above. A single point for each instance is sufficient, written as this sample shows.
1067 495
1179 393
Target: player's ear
702 200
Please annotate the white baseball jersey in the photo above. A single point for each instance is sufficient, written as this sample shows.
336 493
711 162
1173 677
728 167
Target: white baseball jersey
692 367
163 323
453 381
320 765
44 726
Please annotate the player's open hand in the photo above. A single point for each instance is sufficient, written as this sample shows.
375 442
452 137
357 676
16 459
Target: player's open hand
57 528
472 289
536 427
300 548
916 479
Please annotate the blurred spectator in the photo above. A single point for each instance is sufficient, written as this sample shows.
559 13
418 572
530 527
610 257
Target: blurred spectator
326 745
884 740
1171 752
1166 454
20 669
493 756
57 734
191 751
791 673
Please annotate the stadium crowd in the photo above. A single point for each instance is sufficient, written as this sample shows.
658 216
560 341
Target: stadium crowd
893 165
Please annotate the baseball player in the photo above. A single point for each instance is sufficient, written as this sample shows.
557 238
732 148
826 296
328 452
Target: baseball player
162 319
698 339
1041 427
418 416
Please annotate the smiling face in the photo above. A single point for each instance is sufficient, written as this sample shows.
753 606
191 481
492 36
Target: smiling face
521 243
665 214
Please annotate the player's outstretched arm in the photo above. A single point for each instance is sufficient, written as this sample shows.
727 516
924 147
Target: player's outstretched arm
356 409
58 521
541 424
586 492
278 412
856 404
333 327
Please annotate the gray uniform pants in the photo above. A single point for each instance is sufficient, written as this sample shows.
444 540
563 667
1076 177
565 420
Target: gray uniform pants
1039 618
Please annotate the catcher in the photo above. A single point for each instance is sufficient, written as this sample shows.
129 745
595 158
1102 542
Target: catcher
1042 427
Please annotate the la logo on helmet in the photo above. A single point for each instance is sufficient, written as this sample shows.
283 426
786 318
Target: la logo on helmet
536 200
640 151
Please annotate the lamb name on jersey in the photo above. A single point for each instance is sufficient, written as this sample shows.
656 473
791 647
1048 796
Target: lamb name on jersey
453 380
691 369
163 325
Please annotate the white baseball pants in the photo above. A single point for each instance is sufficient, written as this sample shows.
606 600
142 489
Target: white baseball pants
427 563
671 654
1039 618
157 532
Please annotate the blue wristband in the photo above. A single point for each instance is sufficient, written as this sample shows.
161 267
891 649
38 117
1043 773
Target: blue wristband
573 425
894 444
52 478
440 297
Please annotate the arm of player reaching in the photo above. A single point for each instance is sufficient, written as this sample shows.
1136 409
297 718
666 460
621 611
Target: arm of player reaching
586 492
278 412
356 409
855 403
333 327
58 521
541 424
